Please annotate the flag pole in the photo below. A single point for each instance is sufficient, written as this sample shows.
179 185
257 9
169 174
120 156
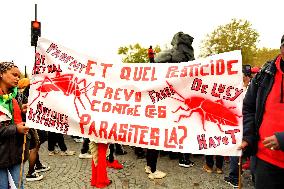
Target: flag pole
26 75
240 172
22 164
36 44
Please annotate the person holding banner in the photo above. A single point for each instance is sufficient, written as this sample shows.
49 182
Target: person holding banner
263 111
184 160
111 162
58 138
38 137
84 150
12 129
99 177
151 168
139 152
152 154
208 167
233 177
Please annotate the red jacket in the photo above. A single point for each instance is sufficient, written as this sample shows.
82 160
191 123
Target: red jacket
151 53
272 121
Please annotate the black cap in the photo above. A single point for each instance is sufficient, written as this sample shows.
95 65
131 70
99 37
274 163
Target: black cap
282 41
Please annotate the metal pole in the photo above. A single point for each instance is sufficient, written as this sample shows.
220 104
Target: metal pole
26 72
35 12
35 45
240 173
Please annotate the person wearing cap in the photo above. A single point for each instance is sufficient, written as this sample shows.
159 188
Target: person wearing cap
263 133
254 71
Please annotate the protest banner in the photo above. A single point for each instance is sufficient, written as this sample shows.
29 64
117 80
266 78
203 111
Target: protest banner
191 107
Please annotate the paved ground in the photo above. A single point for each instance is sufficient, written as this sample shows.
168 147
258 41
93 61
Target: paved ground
74 173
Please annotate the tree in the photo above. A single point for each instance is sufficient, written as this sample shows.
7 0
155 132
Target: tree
263 55
135 53
236 35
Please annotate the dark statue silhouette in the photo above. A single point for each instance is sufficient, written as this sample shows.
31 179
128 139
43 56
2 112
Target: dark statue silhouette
182 50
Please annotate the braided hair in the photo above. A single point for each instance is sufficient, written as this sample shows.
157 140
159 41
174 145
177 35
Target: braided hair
5 66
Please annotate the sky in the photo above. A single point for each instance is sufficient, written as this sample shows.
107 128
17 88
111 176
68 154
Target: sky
99 27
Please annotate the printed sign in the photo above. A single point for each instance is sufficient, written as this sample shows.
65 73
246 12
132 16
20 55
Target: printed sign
191 107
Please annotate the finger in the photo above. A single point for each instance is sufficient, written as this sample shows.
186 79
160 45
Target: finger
269 145
267 140
277 147
242 146
269 137
20 125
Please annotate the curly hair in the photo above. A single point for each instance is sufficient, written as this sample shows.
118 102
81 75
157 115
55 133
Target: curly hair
5 66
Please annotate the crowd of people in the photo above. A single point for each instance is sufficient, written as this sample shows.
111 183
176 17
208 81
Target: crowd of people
263 136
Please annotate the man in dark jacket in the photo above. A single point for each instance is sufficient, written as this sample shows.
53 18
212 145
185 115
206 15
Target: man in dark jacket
263 111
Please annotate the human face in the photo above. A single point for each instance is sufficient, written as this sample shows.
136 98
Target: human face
11 77
253 74
246 80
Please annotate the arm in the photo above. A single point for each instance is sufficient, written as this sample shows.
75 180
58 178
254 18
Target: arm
249 110
280 138
7 131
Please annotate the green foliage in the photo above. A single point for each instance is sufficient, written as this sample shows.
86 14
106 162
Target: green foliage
135 53
236 35
263 55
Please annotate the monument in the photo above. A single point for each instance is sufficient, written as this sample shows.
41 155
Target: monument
182 50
